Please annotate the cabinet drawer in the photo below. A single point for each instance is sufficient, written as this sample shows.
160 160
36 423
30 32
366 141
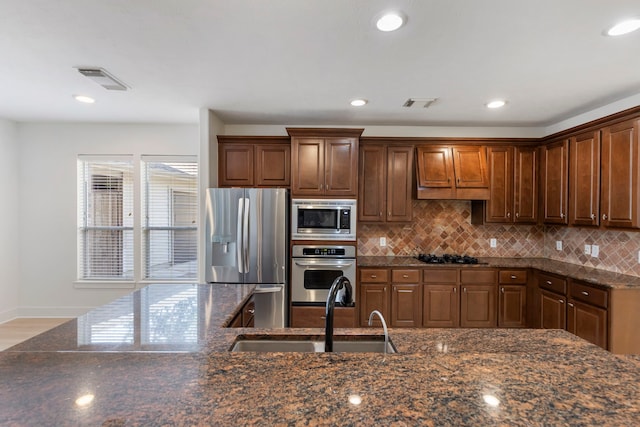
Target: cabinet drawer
374 275
518 277
440 275
405 276
552 283
474 275
589 294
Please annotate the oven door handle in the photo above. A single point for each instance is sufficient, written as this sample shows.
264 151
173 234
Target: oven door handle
332 265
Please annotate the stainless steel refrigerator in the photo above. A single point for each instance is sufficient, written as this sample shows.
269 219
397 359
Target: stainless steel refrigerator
247 241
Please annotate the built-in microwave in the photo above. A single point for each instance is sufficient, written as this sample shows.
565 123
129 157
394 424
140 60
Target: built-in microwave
323 219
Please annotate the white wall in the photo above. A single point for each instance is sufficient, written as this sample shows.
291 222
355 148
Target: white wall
9 219
47 176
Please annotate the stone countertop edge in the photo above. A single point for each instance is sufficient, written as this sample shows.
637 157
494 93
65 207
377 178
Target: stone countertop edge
598 277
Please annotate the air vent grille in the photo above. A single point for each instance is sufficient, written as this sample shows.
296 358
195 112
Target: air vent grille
103 78
419 102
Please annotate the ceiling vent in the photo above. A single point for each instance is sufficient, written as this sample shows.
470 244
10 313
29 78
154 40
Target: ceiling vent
419 102
103 78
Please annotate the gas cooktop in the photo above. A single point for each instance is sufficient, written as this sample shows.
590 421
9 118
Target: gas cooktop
447 259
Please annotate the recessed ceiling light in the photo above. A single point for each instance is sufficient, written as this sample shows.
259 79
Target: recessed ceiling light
496 104
390 21
84 99
624 27
358 102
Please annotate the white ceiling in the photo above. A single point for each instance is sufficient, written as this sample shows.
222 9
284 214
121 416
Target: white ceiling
302 61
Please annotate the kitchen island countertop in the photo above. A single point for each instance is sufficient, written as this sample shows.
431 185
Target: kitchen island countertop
174 368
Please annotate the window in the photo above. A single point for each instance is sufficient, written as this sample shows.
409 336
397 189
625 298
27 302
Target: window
105 219
170 216
137 218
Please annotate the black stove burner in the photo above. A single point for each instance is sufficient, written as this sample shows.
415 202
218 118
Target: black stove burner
447 259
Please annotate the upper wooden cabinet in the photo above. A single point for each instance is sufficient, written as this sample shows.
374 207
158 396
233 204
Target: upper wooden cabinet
620 203
324 162
514 186
452 172
554 182
254 161
585 179
384 187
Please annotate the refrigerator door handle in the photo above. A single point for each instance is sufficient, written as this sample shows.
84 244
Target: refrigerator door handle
245 235
239 238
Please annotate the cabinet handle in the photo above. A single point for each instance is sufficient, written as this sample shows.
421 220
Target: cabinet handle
508 214
593 216
323 317
448 179
586 294
604 217
513 277
405 276
454 290
251 311
561 301
561 215
502 290
569 304
548 282
517 215
380 214
464 290
373 276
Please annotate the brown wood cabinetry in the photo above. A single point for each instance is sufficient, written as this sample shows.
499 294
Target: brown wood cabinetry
314 317
441 298
385 178
512 299
620 175
452 172
585 179
324 162
406 298
554 182
478 299
373 294
552 310
244 318
514 186
254 161
587 312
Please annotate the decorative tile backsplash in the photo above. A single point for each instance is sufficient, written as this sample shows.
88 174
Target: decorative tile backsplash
444 226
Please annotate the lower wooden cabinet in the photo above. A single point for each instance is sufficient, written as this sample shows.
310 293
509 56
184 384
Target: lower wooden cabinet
478 306
314 317
512 306
552 310
373 297
441 306
406 305
244 318
588 322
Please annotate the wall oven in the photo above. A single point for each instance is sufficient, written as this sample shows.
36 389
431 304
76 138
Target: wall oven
315 267
323 219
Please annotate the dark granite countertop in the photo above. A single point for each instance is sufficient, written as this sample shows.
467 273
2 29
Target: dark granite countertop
603 278
160 357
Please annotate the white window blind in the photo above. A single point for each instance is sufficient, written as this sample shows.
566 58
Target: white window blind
169 217
105 219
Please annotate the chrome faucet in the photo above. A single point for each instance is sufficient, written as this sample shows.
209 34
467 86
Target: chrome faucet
384 327
346 299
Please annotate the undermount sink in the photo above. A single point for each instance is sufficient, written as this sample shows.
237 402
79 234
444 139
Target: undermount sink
312 344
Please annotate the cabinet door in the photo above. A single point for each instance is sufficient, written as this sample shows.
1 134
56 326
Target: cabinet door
588 322
470 164
552 311
372 183
620 175
248 314
441 306
398 183
314 317
236 165
478 306
406 305
499 205
525 188
585 179
273 165
435 167
341 167
373 297
307 167
555 164
512 305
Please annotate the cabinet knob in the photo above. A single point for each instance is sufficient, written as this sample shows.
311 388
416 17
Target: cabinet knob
548 282
569 304
406 276
593 216
454 290
513 277
517 215
561 301
380 214
502 290
373 276
604 217
508 214
251 311
561 215
586 294
464 289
